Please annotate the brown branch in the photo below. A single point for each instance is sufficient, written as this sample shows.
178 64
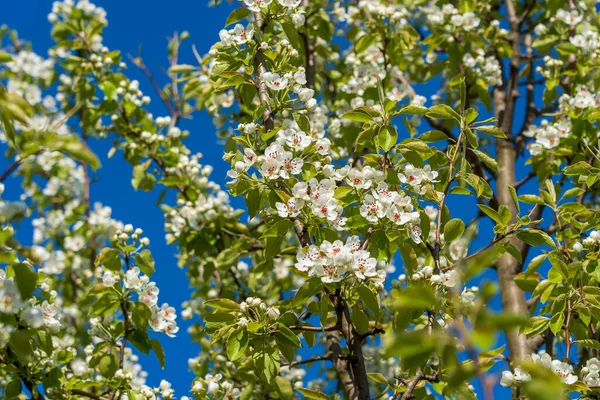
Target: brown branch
87 394
139 62
314 328
308 361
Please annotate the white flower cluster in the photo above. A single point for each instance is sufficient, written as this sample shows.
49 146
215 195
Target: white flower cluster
127 91
257 5
31 64
36 315
163 317
583 100
419 179
318 196
563 369
547 136
450 18
447 279
260 311
587 40
591 372
65 9
485 67
390 204
592 240
571 17
238 35
215 385
332 261
194 215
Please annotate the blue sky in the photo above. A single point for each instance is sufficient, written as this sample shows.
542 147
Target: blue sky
141 22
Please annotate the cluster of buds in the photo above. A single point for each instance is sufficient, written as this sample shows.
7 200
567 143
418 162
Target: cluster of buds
254 309
127 233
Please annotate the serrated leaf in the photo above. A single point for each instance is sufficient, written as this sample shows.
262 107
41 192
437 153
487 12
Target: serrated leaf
222 304
442 111
486 159
492 131
579 168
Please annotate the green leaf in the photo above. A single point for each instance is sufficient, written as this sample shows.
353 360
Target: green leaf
26 279
306 291
442 111
266 361
535 326
227 258
140 315
232 80
360 321
278 229
222 304
140 340
545 42
591 343
237 344
5 58
572 193
527 282
453 230
363 42
515 198
20 343
9 129
145 262
237 15
362 114
181 69
78 151
387 138
313 394
292 34
141 179
378 378
291 336
433 136
369 298
535 237
109 258
490 212
556 323
284 388
13 389
158 350
108 365
532 199
486 159
579 168
492 131
413 109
